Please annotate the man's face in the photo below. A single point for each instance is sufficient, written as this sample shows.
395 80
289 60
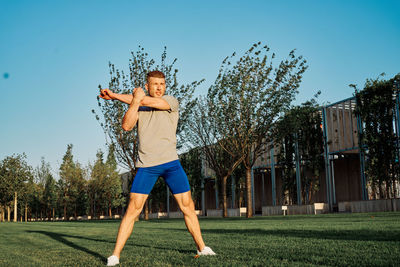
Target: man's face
156 86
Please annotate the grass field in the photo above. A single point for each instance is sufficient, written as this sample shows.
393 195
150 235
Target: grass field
334 239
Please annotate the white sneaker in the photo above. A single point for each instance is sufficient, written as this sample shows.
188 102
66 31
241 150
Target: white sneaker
207 251
112 260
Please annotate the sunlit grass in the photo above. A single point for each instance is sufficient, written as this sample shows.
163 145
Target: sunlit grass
332 239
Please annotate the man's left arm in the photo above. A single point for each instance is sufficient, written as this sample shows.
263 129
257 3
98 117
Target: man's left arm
166 102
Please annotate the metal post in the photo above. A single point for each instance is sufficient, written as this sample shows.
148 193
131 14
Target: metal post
233 191
273 176
364 193
326 157
252 190
203 206
203 171
298 181
167 200
216 193
262 187
344 127
397 128
333 182
351 123
397 83
338 127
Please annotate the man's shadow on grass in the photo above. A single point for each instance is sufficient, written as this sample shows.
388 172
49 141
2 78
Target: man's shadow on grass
350 235
62 239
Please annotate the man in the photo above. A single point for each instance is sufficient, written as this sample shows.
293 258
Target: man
157 118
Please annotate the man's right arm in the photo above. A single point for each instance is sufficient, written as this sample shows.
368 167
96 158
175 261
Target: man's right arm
132 114
107 94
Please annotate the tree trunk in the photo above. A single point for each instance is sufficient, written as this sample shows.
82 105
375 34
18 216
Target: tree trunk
15 206
387 185
146 210
249 212
381 196
241 195
65 212
92 209
26 212
224 200
53 214
8 214
109 210
310 191
373 190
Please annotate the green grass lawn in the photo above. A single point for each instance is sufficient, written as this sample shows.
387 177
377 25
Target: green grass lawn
371 239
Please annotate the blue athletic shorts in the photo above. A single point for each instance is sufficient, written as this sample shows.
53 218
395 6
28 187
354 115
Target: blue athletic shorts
173 175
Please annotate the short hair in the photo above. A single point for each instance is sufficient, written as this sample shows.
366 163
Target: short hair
154 74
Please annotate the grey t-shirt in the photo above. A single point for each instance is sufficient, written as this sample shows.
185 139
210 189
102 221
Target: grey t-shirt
157 134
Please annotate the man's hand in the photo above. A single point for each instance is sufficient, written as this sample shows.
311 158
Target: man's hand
107 94
138 95
132 114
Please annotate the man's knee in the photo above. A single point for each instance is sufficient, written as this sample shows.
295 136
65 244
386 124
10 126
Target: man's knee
136 203
186 204
133 211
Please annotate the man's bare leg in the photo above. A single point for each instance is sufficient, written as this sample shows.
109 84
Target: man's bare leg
186 205
136 203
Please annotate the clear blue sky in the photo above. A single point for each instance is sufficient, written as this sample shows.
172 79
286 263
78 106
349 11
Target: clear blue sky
54 54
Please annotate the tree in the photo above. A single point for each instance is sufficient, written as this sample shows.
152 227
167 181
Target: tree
41 174
73 185
113 192
98 173
27 194
50 196
112 112
36 200
192 164
105 184
376 108
125 143
5 194
14 173
301 125
247 98
203 131
62 199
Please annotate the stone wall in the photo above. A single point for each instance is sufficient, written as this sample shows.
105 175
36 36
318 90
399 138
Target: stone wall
378 205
